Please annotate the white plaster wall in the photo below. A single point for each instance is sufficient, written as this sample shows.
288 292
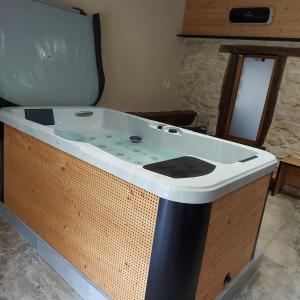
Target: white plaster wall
140 51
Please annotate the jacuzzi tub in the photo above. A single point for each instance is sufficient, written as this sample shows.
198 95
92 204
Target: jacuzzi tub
230 172
96 186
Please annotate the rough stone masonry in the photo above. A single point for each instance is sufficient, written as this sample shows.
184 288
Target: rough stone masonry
202 73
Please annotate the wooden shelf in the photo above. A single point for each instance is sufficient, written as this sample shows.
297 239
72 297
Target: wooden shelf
230 37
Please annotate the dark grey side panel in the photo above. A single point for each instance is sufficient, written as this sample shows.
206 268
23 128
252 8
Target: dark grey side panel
1 162
177 252
3 103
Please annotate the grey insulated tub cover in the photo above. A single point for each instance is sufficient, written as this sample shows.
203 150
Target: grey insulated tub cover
49 55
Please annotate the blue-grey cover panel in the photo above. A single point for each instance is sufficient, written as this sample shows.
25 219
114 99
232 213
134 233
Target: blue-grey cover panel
47 55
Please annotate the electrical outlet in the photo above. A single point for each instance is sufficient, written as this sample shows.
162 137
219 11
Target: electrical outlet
166 84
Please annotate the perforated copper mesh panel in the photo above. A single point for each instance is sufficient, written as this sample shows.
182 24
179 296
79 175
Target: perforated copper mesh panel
233 227
100 223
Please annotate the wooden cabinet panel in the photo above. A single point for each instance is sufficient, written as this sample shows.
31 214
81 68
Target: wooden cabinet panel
204 17
102 224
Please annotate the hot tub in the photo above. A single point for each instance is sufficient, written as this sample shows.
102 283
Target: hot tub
145 210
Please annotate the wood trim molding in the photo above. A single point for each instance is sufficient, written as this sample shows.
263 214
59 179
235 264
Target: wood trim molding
260 50
272 98
227 87
233 96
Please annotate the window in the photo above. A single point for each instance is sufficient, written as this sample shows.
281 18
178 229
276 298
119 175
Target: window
249 95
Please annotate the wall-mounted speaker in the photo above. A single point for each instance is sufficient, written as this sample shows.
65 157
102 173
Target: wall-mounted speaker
251 15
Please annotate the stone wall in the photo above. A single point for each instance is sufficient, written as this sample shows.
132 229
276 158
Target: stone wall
202 72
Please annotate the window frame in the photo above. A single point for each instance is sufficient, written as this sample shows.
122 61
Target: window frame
233 99
231 84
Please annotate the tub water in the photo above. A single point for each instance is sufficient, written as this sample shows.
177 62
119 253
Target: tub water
141 153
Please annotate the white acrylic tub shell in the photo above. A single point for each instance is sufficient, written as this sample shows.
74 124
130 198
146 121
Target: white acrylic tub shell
228 175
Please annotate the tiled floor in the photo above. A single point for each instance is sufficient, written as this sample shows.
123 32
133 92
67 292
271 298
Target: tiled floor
23 275
278 277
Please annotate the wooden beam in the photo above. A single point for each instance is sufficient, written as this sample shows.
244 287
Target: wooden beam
176 118
260 50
